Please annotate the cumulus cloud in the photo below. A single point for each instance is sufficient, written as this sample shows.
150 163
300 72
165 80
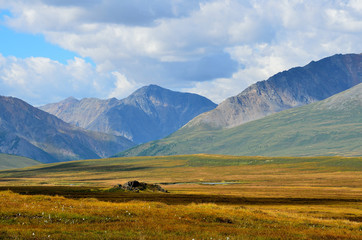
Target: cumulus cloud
211 47
42 80
122 86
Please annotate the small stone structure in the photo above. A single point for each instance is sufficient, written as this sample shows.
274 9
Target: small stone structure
136 186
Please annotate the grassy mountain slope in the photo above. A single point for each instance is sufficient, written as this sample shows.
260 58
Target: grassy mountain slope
329 127
11 161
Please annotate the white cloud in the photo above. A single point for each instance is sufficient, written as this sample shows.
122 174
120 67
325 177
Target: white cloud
122 86
218 89
261 37
42 80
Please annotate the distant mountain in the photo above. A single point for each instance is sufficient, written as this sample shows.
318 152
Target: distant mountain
149 113
329 127
11 161
295 87
30 132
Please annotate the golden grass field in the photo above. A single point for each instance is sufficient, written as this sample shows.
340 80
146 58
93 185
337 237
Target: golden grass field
264 198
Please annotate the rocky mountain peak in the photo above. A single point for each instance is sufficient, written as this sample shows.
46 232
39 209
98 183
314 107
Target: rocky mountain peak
150 113
70 99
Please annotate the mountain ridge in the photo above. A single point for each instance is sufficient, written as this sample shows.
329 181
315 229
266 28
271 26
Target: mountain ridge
30 132
296 87
149 113
329 127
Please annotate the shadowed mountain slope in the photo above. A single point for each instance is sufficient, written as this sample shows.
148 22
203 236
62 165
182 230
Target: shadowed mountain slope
30 132
329 127
295 87
149 113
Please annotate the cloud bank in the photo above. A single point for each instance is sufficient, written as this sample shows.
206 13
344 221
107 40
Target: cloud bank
215 48
42 80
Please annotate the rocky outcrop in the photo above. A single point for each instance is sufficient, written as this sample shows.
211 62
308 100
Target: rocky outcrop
295 87
136 186
29 132
149 113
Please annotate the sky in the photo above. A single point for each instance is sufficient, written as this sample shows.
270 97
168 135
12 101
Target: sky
53 49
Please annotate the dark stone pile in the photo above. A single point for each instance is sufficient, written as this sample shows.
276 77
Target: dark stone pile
136 186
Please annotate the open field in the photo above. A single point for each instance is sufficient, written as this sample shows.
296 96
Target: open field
218 197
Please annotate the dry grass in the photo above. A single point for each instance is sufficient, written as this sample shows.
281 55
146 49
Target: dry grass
46 217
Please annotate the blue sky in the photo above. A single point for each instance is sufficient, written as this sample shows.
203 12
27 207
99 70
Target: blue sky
53 49
23 45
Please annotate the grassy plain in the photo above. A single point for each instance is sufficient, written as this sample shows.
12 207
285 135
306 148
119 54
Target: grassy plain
211 197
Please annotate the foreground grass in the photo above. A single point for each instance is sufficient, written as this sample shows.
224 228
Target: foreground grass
56 217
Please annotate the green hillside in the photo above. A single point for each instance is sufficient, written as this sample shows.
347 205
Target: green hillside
329 127
11 161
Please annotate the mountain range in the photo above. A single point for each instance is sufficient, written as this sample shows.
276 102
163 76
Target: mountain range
150 113
295 87
30 132
329 127
329 124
